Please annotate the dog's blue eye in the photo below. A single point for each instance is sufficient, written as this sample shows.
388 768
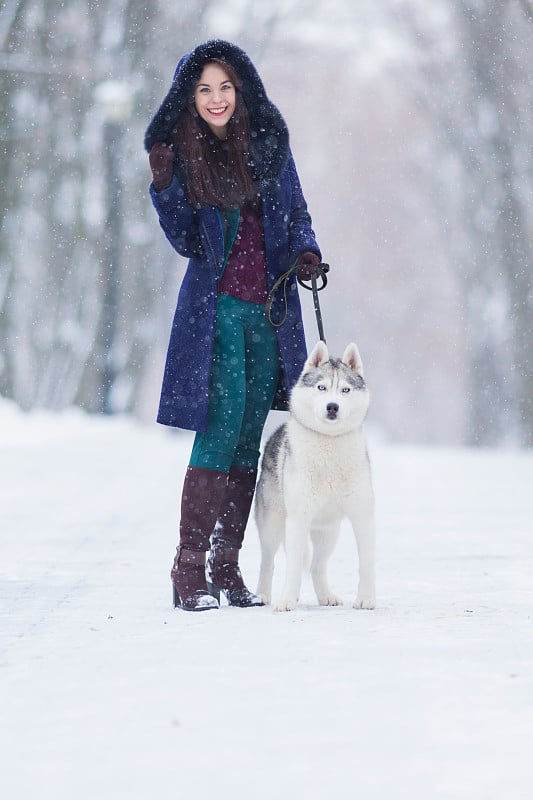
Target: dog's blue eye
345 389
321 387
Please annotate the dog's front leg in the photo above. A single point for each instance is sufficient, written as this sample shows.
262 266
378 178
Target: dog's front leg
324 536
365 533
296 532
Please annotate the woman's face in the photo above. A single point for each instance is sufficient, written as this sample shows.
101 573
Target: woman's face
214 99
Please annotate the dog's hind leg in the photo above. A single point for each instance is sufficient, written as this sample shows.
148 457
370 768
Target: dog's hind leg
271 527
324 536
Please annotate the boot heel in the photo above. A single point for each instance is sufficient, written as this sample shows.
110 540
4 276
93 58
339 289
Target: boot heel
176 597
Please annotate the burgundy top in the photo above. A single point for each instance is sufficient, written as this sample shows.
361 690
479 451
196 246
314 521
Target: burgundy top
245 272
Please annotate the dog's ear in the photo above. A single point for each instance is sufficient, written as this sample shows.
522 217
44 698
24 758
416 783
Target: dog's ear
352 358
319 355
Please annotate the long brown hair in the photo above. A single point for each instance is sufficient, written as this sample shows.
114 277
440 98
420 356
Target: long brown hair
217 173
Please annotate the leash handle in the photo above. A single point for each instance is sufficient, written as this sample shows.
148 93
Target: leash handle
321 270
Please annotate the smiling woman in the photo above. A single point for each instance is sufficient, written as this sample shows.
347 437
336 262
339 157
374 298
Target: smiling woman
228 197
214 98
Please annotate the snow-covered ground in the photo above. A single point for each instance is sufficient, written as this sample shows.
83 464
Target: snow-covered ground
109 694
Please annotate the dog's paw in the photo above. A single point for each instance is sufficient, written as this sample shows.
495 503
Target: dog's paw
329 599
286 605
365 601
265 597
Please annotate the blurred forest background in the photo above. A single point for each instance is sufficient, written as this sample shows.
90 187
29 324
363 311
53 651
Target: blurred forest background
412 129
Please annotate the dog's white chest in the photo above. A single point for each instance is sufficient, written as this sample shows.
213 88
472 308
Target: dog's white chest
328 466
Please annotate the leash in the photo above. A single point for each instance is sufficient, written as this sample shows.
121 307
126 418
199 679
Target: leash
320 270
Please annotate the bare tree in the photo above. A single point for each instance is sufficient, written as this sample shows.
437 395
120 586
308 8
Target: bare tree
66 327
500 66
475 87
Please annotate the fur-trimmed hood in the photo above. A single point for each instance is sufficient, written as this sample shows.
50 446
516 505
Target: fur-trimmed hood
269 145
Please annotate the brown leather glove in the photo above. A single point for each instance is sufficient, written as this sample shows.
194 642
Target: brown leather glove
161 159
307 264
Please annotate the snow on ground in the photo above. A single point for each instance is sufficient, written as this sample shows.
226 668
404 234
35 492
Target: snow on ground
109 693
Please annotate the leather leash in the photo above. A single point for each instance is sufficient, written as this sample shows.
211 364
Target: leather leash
320 270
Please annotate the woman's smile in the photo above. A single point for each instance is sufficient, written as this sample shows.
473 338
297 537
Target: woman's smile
217 112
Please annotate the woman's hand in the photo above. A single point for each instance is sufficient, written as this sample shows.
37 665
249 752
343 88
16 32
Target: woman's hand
307 264
161 159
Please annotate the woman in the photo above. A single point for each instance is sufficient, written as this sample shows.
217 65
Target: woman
228 197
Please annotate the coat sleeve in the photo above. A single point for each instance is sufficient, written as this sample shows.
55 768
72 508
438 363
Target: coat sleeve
178 219
301 234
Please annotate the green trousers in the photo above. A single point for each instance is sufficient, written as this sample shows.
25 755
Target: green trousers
244 377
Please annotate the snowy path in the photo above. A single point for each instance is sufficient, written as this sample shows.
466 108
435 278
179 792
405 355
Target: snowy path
108 693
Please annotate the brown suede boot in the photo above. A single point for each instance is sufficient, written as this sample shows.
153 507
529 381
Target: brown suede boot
189 583
203 492
222 566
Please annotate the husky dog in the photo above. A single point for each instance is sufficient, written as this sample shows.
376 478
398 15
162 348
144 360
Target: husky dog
315 471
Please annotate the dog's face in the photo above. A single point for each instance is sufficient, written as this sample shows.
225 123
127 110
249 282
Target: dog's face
331 396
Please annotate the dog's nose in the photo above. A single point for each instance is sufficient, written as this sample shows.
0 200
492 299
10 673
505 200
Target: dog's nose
332 409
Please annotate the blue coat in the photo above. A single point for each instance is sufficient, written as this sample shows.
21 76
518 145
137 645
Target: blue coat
197 234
